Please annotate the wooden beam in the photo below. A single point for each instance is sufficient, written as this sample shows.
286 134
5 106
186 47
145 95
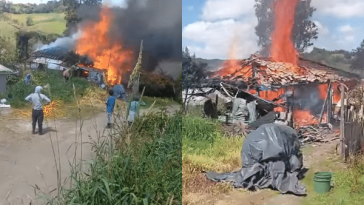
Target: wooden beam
329 106
342 123
325 102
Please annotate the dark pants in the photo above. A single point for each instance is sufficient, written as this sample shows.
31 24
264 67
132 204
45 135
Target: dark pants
37 116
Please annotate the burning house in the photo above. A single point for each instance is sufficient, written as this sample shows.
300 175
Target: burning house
58 58
284 86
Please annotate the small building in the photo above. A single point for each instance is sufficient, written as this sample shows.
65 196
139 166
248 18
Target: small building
4 73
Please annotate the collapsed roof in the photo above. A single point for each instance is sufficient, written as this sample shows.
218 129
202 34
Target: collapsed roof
270 73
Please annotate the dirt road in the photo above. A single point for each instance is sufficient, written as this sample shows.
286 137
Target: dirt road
27 161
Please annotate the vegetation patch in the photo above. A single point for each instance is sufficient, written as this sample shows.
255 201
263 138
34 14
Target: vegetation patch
207 148
145 171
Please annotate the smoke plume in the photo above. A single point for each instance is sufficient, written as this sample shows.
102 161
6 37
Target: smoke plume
66 42
158 23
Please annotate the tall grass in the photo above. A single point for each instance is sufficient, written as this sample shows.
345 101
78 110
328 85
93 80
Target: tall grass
206 147
143 170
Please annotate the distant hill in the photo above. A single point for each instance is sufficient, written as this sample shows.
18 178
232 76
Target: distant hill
212 65
47 23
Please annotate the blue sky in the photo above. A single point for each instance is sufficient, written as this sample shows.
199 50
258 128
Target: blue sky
212 28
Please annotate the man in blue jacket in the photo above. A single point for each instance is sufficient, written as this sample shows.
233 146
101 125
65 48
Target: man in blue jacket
110 104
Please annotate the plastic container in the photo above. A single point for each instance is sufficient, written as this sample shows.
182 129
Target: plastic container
322 182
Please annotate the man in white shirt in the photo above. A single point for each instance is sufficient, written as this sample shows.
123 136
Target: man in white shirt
37 112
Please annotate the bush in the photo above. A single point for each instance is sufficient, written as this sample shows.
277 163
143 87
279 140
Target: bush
30 21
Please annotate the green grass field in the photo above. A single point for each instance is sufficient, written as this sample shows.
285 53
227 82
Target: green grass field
49 23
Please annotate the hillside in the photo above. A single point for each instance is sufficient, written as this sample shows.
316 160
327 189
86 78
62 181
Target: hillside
48 23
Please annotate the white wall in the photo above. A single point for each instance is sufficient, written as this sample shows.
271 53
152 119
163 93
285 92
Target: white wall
3 83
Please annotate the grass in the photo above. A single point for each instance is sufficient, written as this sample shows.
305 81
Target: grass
348 183
144 171
159 102
49 23
207 148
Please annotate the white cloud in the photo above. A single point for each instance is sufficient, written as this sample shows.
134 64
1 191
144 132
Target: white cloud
322 30
227 9
217 38
225 26
346 29
340 8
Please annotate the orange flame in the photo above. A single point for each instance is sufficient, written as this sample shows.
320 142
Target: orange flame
282 48
106 55
233 64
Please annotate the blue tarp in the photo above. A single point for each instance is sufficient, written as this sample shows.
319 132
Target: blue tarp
119 92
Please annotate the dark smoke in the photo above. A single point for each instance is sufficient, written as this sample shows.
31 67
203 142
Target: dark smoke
307 97
157 22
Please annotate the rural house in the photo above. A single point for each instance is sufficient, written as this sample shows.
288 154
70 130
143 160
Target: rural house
4 72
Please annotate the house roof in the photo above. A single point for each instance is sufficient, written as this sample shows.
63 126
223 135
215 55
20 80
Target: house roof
56 53
4 69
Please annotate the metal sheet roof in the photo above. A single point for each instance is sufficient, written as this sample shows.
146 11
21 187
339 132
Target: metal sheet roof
4 69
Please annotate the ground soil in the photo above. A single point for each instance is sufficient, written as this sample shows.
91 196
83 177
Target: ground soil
312 155
27 161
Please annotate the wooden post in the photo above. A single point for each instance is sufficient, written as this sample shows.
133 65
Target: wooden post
342 123
291 109
325 102
329 106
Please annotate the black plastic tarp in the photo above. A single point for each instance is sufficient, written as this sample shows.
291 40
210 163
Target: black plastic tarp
271 158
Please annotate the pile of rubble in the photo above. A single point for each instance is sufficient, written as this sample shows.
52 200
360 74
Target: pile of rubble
317 133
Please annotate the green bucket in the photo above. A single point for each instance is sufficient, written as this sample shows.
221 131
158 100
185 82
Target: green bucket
322 182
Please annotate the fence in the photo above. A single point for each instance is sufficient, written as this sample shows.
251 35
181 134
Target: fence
352 127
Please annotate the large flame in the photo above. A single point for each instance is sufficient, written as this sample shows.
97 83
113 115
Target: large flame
233 65
282 48
106 55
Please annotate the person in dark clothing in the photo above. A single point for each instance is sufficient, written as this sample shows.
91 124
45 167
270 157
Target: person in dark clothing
110 104
37 113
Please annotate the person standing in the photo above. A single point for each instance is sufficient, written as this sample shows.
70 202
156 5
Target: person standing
27 79
110 104
133 111
36 99
67 74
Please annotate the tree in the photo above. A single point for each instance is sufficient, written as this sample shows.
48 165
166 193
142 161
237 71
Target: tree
192 75
30 21
71 12
358 63
304 30
7 51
